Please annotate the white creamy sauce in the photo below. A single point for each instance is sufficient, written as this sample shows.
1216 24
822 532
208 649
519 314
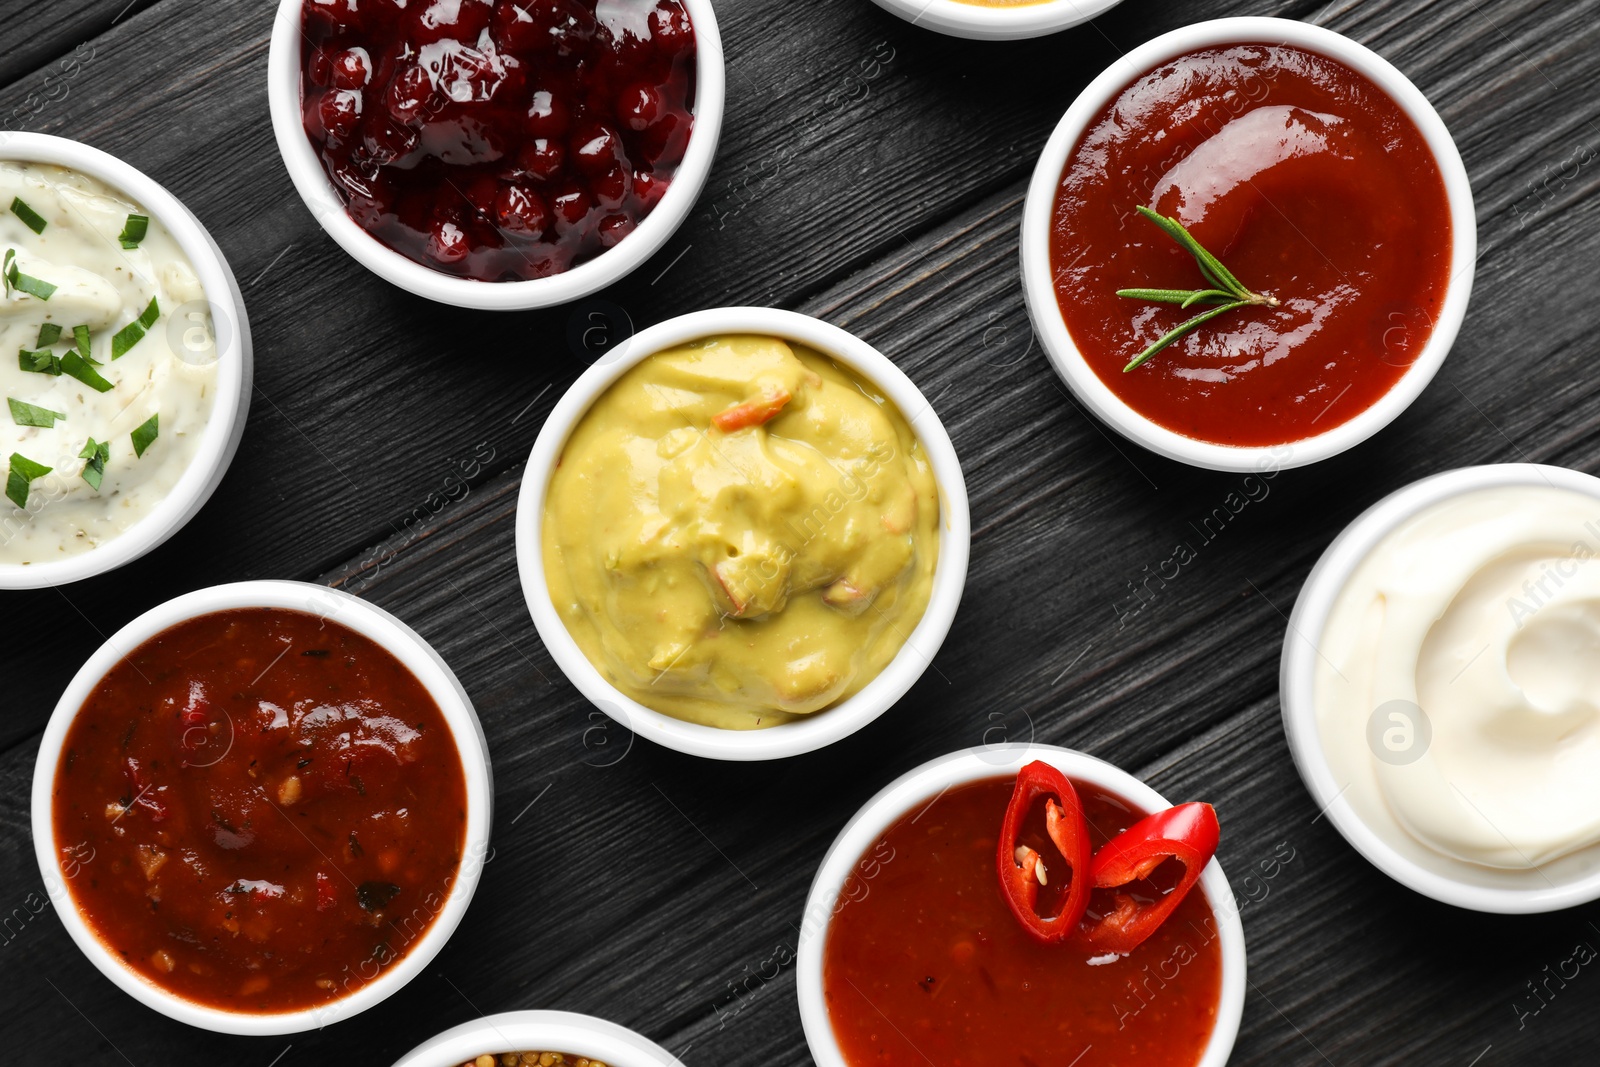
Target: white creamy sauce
171 372
1484 611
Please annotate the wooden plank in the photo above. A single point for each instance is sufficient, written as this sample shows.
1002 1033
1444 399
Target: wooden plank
686 875
53 42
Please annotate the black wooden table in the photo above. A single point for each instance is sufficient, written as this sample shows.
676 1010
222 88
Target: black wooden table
872 174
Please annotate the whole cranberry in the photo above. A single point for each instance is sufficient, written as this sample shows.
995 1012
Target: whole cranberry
356 182
572 206
480 193
513 29
613 228
319 68
326 13
473 18
611 188
411 96
670 28
569 26
648 188
449 20
520 210
548 115
447 242
596 148
542 158
352 68
386 141
340 110
469 76
639 105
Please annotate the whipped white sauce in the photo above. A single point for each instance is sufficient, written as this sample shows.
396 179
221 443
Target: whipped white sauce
1483 611
171 372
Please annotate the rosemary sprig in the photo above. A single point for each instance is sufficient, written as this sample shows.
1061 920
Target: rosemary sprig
1225 292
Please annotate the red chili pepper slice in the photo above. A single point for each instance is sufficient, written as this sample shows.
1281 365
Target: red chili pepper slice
1021 873
1187 833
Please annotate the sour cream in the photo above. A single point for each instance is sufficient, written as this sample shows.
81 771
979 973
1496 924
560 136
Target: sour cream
169 374
1482 611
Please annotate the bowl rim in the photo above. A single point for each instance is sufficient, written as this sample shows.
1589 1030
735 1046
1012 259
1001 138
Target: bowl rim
979 22
558 1031
1297 679
235 363
929 781
839 720
1039 293
311 182
406 645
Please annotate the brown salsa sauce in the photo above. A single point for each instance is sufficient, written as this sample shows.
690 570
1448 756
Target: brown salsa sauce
260 810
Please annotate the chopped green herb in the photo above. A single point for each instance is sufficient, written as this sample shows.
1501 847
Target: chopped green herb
1224 292
134 332
27 283
146 434
30 218
49 334
133 230
75 365
23 471
80 341
43 361
24 283
97 454
31 415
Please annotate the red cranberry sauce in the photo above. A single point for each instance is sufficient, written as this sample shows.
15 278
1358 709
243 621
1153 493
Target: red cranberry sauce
498 140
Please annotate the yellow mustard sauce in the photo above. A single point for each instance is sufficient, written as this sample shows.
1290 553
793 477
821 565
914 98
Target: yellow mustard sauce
741 531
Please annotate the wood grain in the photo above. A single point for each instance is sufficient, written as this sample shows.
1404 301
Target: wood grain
649 887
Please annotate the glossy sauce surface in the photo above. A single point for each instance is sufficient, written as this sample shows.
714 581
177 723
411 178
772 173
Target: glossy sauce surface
260 810
740 576
499 140
1310 184
924 963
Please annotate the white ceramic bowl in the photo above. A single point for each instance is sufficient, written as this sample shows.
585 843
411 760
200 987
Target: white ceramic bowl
545 1031
305 169
364 618
981 23
1039 291
1563 883
823 727
234 363
922 785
